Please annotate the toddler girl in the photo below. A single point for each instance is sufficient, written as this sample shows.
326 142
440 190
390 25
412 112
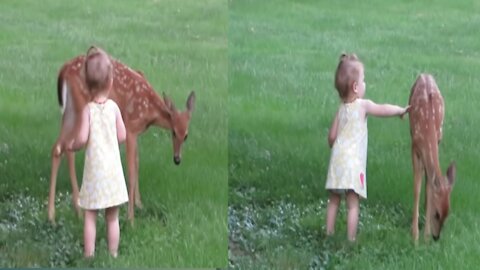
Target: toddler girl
102 129
348 138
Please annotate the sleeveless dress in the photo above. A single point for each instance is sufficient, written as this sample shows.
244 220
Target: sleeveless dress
103 183
348 160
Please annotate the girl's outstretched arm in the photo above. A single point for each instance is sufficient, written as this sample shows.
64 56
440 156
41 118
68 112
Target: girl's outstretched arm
332 134
121 131
383 110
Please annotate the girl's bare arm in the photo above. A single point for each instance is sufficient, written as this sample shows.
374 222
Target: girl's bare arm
383 110
121 131
82 132
332 134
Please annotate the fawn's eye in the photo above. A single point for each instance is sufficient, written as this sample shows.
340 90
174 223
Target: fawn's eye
173 134
437 216
186 136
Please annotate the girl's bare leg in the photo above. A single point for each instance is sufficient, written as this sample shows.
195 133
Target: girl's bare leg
353 206
332 209
89 233
113 230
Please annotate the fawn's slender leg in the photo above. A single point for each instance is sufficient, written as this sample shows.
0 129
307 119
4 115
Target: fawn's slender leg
132 173
138 200
428 208
56 158
417 186
73 181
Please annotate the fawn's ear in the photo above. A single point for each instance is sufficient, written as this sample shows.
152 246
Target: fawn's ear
168 102
191 101
451 173
436 182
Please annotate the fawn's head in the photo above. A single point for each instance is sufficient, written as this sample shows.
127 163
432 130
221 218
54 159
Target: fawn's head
179 122
442 187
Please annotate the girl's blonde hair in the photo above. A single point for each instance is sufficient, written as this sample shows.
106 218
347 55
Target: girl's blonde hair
348 72
98 69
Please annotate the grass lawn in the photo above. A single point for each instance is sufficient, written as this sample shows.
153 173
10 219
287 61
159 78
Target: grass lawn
282 59
180 46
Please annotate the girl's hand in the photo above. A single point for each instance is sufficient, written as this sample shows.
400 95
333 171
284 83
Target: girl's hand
406 110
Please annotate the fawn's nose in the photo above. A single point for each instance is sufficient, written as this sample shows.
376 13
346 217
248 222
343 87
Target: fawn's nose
176 160
436 237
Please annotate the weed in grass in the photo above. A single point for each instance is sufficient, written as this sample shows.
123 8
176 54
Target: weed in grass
259 234
28 237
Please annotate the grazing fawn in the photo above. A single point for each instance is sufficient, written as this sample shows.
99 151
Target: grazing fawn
426 120
140 107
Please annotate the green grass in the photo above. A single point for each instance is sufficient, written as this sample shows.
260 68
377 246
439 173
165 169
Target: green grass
180 46
283 55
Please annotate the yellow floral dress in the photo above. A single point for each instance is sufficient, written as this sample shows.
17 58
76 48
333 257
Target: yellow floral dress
103 184
348 160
